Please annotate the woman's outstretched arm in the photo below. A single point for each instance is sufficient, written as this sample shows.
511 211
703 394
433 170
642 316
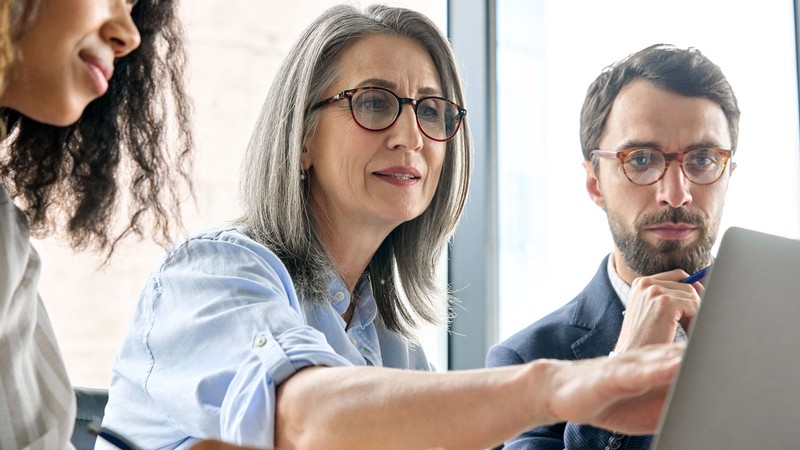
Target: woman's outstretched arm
372 407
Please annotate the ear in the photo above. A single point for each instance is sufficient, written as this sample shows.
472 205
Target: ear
305 159
733 167
593 185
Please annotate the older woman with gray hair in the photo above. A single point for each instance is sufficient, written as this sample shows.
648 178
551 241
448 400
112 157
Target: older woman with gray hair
294 328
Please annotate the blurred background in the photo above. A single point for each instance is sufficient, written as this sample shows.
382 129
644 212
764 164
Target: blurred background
530 238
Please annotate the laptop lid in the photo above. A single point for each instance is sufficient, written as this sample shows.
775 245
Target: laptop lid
739 382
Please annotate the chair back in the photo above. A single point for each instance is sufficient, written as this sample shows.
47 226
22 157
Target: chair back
91 406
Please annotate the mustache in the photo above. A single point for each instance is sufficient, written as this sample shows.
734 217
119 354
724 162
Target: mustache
674 215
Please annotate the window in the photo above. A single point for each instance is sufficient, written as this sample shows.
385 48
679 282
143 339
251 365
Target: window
551 236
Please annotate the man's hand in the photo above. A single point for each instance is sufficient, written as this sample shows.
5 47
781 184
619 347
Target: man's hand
656 305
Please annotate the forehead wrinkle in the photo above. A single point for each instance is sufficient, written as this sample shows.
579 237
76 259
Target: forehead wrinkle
378 82
680 143
396 63
392 86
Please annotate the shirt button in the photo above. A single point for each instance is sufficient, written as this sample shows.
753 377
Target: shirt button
261 341
353 340
339 296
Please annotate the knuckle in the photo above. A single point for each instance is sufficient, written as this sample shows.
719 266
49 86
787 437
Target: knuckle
642 282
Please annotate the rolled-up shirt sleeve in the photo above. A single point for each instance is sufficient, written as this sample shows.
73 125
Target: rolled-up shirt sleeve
248 412
218 328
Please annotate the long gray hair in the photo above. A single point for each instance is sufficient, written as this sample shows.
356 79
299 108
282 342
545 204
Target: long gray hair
276 205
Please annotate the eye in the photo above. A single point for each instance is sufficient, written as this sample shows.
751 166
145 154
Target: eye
702 159
374 101
639 159
429 110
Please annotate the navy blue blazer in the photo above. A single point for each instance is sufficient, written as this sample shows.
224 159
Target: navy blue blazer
586 327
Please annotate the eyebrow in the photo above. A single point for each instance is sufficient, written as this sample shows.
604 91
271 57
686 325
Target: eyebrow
627 145
652 144
392 86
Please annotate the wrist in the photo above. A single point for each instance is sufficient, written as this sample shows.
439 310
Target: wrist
542 377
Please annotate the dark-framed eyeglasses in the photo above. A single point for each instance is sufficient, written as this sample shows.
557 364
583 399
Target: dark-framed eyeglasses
376 109
646 166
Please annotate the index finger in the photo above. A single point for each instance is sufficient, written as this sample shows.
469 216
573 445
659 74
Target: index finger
675 275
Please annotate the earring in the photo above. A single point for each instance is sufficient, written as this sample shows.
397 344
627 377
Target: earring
302 174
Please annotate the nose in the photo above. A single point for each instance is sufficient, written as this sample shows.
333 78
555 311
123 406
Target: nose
674 188
405 133
120 31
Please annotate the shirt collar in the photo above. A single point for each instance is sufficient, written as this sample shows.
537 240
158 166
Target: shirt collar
340 296
365 308
621 288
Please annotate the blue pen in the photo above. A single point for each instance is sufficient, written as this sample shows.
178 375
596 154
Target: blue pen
697 276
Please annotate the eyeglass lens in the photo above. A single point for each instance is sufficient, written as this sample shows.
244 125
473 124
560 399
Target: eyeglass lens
701 166
376 109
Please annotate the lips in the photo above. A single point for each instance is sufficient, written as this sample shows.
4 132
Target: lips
399 172
99 70
399 175
671 231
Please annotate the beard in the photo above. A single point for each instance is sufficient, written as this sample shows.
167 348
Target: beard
648 259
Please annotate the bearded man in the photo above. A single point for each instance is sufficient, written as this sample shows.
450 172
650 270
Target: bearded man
658 130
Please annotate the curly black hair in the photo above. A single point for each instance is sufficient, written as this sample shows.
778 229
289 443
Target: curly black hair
139 134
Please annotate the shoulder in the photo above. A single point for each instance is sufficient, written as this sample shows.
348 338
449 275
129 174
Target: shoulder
554 335
221 244
18 259
548 337
221 256
13 222
224 236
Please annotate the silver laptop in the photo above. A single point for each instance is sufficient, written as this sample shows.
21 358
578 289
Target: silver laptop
739 382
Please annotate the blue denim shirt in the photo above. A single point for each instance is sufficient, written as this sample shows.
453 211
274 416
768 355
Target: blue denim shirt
217 328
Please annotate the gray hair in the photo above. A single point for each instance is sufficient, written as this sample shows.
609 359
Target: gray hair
276 203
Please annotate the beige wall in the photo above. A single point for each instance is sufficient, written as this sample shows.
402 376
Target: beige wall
235 47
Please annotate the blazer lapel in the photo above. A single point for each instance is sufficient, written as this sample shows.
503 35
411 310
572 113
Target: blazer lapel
600 313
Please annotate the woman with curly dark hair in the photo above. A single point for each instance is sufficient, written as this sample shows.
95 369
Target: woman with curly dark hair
93 112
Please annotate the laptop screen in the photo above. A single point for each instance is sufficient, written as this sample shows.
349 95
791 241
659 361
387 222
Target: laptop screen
739 383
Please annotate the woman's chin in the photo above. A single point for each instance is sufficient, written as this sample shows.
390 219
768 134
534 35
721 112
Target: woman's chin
59 116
